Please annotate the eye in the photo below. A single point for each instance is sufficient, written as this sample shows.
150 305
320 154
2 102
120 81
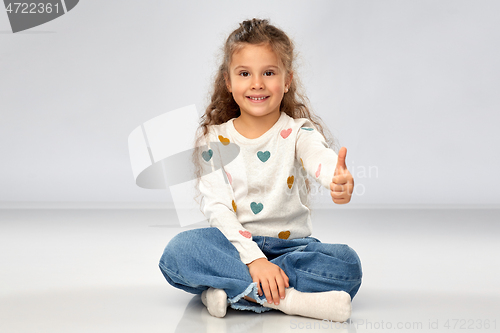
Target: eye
269 73
244 74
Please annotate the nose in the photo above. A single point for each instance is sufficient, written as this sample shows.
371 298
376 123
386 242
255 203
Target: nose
257 82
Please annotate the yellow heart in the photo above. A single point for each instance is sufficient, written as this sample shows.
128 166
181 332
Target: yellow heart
289 181
225 141
284 234
302 164
234 206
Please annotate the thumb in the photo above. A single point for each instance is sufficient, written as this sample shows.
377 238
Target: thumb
341 160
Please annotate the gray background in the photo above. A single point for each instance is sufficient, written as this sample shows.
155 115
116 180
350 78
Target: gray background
409 87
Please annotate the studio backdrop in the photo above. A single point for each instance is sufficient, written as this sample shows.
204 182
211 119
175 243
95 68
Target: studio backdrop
410 88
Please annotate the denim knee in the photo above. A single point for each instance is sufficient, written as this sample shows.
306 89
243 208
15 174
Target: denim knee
171 253
180 248
185 248
200 258
350 256
332 261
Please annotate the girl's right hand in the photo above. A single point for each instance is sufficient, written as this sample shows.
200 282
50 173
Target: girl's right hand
271 277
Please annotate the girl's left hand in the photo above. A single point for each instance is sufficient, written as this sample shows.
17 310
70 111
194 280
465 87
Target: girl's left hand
342 183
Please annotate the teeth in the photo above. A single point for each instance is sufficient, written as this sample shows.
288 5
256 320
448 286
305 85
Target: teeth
256 98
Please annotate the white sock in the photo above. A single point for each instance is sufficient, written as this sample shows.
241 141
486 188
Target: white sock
331 305
216 301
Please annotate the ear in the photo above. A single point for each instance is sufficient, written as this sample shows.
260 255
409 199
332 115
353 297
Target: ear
288 80
228 82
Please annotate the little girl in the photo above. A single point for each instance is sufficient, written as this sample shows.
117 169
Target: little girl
258 247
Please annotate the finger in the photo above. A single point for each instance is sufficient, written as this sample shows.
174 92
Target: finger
337 188
274 292
338 195
342 172
259 290
267 291
347 188
340 179
342 200
341 160
285 278
281 286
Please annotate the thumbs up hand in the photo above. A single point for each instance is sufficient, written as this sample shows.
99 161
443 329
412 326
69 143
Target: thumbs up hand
342 183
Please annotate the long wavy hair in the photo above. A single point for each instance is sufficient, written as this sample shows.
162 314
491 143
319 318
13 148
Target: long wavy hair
222 105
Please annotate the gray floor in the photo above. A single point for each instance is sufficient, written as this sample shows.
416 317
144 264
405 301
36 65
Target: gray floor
96 271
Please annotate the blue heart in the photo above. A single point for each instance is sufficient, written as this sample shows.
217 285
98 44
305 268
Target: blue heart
307 128
256 207
207 155
263 155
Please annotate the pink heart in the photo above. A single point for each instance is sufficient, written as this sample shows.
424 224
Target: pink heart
246 234
286 133
318 171
229 178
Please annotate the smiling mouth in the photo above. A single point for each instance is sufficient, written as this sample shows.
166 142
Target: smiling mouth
257 98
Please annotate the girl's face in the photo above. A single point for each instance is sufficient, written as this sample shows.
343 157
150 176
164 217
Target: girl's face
257 81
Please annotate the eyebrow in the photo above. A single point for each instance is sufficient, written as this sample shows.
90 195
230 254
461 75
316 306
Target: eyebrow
244 67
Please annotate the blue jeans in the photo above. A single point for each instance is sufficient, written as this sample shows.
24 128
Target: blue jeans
197 259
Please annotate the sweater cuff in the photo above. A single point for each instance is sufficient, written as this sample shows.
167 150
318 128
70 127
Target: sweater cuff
249 256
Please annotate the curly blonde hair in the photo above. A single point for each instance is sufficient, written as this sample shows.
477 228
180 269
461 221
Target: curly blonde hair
222 105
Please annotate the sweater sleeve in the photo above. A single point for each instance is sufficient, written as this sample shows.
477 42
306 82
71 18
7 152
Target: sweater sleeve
218 203
316 157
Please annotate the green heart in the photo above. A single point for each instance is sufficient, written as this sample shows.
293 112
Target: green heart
306 128
263 155
256 207
207 155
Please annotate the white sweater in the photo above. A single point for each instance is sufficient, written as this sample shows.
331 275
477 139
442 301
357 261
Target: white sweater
262 191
